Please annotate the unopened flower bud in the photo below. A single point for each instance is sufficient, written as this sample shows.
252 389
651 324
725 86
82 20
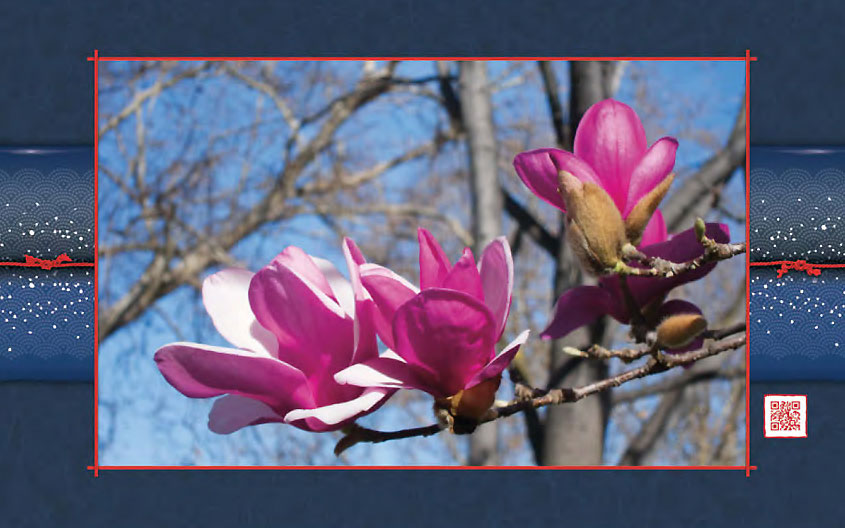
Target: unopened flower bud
639 216
678 331
700 229
594 228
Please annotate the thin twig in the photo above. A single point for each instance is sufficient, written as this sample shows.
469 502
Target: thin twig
541 398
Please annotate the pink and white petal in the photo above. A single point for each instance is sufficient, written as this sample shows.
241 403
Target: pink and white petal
434 264
204 371
302 263
496 269
580 306
314 333
464 276
388 371
538 169
231 413
341 289
500 362
447 335
612 140
225 295
365 343
388 291
333 417
655 231
657 163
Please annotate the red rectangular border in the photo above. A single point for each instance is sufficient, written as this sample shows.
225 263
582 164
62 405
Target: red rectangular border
96 467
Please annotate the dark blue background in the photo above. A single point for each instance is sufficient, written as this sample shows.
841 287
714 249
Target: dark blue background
46 436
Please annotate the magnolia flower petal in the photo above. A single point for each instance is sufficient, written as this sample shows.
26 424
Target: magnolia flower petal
365 345
539 169
333 417
225 295
341 289
203 371
314 333
447 334
580 306
231 413
464 276
434 264
304 265
612 140
496 270
388 370
500 362
678 306
388 291
682 247
657 163
685 245
655 231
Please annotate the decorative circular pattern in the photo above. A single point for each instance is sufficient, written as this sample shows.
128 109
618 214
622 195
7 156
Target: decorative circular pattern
797 214
45 314
46 214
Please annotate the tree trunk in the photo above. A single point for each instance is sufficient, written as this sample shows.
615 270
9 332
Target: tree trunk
487 205
574 433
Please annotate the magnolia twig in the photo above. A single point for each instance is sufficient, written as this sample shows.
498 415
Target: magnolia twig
633 353
657 363
658 267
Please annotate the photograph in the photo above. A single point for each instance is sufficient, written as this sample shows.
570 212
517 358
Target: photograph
421 262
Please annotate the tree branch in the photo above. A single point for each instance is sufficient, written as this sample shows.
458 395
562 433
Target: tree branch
658 363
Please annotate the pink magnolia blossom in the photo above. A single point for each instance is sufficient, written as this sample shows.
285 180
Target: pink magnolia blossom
584 304
611 151
294 324
441 336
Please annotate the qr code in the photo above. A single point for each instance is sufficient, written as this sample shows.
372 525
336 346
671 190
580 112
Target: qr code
785 416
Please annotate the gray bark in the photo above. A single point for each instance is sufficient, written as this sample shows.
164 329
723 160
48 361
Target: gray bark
574 434
486 197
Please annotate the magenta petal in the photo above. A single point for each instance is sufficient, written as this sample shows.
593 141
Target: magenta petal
388 371
388 291
657 163
500 362
538 170
496 269
685 245
225 295
655 231
447 334
203 371
678 306
302 263
231 413
679 248
580 306
365 344
434 264
611 139
464 276
335 416
314 333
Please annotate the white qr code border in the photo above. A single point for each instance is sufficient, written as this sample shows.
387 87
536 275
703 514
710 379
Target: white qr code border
767 424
